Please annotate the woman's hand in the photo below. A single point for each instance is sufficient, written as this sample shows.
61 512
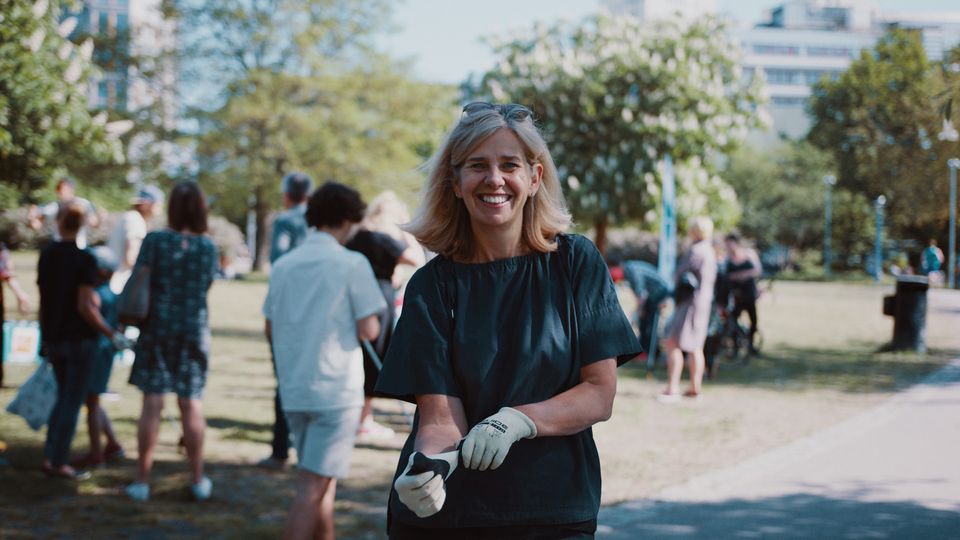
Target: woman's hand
422 485
487 444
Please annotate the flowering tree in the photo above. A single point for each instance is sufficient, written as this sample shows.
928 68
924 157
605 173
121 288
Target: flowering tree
44 121
615 96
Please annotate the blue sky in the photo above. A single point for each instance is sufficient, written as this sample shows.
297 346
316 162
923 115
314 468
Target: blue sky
443 36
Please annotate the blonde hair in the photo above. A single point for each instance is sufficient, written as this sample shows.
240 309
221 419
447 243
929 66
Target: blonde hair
701 228
442 223
385 213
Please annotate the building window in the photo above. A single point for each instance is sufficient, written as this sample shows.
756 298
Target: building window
121 96
787 101
837 52
103 94
812 77
784 76
782 50
103 22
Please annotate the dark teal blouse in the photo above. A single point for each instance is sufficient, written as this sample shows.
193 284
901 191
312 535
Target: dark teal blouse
508 333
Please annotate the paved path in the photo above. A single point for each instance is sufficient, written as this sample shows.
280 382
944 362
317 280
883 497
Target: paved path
891 472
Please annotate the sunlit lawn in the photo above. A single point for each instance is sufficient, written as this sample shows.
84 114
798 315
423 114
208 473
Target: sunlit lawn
819 366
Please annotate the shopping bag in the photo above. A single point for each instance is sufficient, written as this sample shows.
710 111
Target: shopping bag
36 397
133 304
21 341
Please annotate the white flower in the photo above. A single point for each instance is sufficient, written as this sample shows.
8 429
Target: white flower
36 39
73 71
40 8
67 26
86 49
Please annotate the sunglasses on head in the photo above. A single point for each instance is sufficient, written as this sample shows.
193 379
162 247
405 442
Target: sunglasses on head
512 111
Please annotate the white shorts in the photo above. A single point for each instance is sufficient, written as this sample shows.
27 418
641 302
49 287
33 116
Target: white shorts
324 440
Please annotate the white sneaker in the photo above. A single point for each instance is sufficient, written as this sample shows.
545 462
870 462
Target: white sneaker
373 430
138 491
202 489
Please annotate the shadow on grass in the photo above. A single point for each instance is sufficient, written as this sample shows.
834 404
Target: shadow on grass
858 368
791 516
247 502
237 333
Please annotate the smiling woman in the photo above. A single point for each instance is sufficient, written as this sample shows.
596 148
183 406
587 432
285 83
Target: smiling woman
508 344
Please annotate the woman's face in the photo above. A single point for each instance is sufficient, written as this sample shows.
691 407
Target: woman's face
496 181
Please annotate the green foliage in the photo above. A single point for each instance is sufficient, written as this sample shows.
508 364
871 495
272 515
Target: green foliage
782 194
880 119
368 127
615 96
45 126
303 90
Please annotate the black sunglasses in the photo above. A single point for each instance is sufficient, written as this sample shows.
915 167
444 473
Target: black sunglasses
512 111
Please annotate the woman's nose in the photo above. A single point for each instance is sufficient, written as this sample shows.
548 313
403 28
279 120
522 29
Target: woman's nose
494 177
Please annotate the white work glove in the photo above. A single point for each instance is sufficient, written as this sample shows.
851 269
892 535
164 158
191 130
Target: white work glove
120 341
487 444
421 487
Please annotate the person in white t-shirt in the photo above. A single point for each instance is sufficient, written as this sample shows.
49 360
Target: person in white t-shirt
46 216
129 232
322 300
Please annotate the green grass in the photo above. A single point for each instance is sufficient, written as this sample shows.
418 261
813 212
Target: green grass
820 364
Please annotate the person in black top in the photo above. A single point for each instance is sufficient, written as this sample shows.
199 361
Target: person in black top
742 271
70 322
384 254
508 343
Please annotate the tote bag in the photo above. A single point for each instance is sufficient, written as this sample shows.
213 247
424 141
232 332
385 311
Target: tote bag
36 397
133 304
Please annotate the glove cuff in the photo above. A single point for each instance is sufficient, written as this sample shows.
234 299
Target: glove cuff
523 418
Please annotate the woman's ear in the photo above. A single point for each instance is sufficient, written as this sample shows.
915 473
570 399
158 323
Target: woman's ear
536 174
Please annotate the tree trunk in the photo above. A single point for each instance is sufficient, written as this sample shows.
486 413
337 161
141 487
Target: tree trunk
260 212
600 234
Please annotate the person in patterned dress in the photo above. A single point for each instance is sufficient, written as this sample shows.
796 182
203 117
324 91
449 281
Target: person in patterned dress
174 346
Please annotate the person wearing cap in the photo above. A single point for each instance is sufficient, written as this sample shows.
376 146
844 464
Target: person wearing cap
126 237
289 231
46 215
98 423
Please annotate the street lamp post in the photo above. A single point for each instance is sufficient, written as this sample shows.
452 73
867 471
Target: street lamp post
953 164
828 181
878 243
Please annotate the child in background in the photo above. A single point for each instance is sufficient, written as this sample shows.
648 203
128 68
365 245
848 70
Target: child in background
97 420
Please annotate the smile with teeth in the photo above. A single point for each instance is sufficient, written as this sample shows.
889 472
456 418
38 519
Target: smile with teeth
495 200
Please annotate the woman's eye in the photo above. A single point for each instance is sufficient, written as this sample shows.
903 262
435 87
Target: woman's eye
510 166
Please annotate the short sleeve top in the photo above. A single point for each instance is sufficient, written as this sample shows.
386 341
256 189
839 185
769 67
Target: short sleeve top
61 270
381 250
507 333
289 231
182 268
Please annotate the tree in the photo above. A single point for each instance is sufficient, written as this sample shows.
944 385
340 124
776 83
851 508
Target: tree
615 97
781 193
44 122
880 119
369 127
300 87
142 61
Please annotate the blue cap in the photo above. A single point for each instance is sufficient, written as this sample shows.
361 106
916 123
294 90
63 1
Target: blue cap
149 194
